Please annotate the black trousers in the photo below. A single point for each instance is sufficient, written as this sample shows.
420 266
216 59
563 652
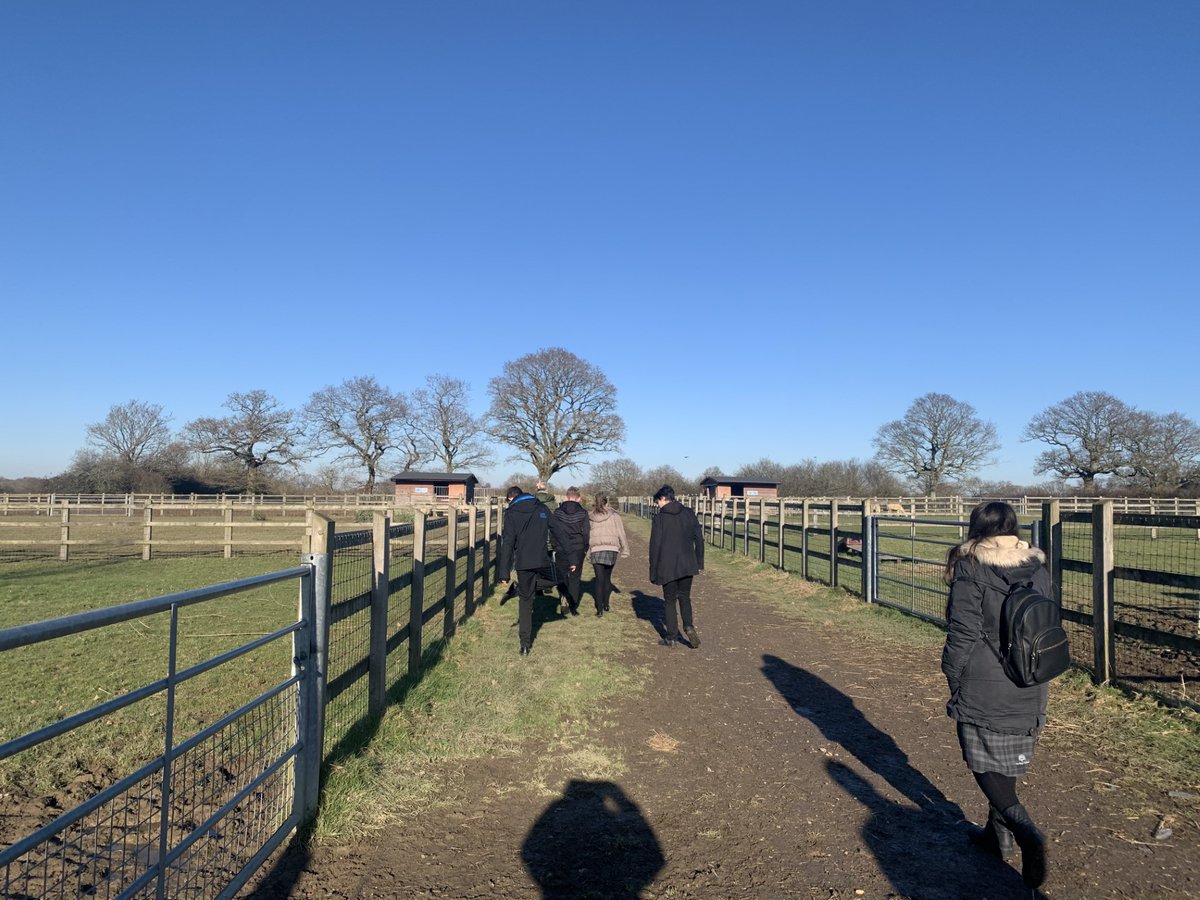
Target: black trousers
602 588
527 582
678 592
570 583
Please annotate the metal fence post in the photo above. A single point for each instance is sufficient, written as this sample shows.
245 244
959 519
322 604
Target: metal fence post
417 593
448 624
1102 588
377 667
311 658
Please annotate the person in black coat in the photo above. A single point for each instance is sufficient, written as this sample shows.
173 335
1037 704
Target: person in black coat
569 556
524 546
676 556
998 722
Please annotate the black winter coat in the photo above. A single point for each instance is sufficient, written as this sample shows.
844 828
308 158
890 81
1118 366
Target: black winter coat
676 544
575 523
980 693
523 545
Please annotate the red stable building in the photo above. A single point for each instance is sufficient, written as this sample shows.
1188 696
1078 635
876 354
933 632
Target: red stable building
720 486
435 487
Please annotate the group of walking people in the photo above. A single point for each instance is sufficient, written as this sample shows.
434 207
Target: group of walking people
547 548
998 722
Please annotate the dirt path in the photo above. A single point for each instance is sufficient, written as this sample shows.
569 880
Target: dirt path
777 760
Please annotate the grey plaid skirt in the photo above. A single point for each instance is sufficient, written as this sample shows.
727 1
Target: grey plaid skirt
990 751
605 557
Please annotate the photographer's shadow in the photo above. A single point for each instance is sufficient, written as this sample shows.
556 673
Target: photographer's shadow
593 842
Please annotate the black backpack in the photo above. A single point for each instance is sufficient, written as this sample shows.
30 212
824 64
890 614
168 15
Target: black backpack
1033 645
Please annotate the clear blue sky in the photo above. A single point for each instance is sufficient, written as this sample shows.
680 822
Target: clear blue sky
772 224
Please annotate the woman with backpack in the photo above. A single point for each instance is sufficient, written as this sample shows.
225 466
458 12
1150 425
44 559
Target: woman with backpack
998 721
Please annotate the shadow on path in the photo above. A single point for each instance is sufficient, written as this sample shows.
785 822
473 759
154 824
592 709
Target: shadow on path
919 859
842 722
650 608
593 842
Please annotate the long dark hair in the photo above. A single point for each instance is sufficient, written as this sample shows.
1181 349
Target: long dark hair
599 503
988 520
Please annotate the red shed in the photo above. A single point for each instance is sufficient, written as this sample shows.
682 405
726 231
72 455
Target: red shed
435 487
720 486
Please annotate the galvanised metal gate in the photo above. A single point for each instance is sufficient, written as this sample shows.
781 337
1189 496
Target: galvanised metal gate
198 819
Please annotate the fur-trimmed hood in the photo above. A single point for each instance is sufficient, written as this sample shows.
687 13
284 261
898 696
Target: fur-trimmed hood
1003 551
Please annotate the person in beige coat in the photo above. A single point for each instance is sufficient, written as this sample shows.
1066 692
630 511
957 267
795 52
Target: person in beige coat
605 543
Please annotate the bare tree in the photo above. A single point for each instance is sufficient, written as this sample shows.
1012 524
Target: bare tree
616 477
258 434
940 439
556 409
364 422
1088 434
133 432
442 418
1163 451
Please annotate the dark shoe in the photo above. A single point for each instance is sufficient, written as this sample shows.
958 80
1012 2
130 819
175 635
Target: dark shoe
525 648
606 606
668 642
599 613
693 638
564 604
1032 843
574 610
994 837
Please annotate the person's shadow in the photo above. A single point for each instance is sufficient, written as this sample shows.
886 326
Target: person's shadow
921 861
843 723
592 842
650 609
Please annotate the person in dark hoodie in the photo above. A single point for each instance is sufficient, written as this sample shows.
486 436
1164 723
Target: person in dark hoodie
568 557
528 526
676 556
998 722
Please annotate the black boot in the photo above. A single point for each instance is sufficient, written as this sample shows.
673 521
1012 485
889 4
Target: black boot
994 837
1032 843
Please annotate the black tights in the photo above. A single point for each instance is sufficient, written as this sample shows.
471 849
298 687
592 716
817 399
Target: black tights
603 586
1000 790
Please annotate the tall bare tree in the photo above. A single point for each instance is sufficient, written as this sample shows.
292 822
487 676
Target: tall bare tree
133 432
364 422
555 409
938 440
1163 451
1088 434
616 477
258 433
441 416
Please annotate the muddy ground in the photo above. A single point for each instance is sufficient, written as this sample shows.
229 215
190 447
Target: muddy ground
777 760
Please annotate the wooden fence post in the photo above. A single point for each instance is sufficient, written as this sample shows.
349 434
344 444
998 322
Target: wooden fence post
782 532
868 551
833 542
451 570
762 530
487 551
417 605
227 514
472 538
1102 585
377 667
746 527
64 547
148 531
804 513
1052 539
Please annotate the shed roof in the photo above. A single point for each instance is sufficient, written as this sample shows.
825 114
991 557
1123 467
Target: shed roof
430 477
721 479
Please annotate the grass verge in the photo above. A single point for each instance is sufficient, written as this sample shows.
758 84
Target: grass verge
481 700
